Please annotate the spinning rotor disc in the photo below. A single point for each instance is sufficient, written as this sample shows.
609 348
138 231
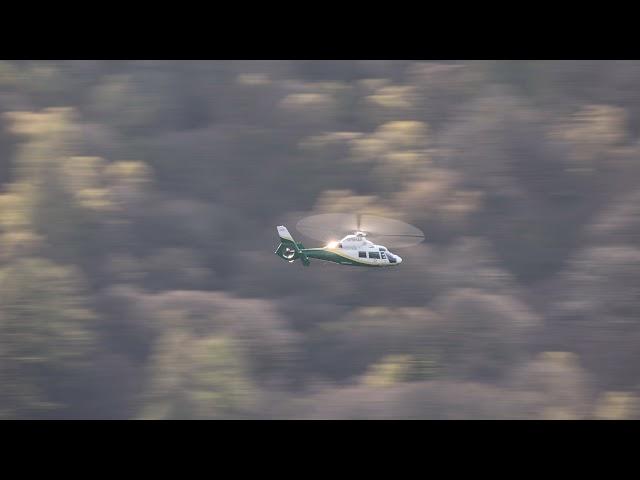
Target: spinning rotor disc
384 231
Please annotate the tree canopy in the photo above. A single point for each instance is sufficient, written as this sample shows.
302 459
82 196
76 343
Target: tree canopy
138 207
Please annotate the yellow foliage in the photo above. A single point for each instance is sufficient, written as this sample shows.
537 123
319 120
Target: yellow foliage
95 199
391 370
403 134
592 130
393 97
373 84
298 101
407 159
253 79
128 171
558 413
367 148
392 138
561 358
438 192
198 378
16 207
16 243
617 406
331 138
49 121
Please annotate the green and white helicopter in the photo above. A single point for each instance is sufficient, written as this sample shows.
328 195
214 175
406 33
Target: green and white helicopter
360 248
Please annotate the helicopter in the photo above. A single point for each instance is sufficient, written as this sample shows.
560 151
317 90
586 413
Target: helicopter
360 248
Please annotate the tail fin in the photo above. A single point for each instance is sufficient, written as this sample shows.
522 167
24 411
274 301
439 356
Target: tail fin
284 234
288 248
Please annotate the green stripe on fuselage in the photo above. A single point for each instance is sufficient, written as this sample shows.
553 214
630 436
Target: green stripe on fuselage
328 256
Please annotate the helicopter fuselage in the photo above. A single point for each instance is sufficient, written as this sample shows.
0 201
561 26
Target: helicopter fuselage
354 250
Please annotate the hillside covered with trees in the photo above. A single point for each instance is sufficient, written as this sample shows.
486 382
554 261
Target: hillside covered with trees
138 206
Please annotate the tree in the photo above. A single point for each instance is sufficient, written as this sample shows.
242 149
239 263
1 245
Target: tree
198 378
46 337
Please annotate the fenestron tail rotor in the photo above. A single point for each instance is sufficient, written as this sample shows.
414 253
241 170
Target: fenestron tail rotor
387 231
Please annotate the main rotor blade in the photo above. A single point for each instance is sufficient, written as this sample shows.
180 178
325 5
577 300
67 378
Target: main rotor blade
399 235
396 241
327 226
332 226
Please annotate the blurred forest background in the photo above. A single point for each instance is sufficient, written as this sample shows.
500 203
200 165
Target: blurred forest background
138 207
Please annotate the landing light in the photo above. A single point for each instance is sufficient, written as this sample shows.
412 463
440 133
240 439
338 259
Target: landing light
332 244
